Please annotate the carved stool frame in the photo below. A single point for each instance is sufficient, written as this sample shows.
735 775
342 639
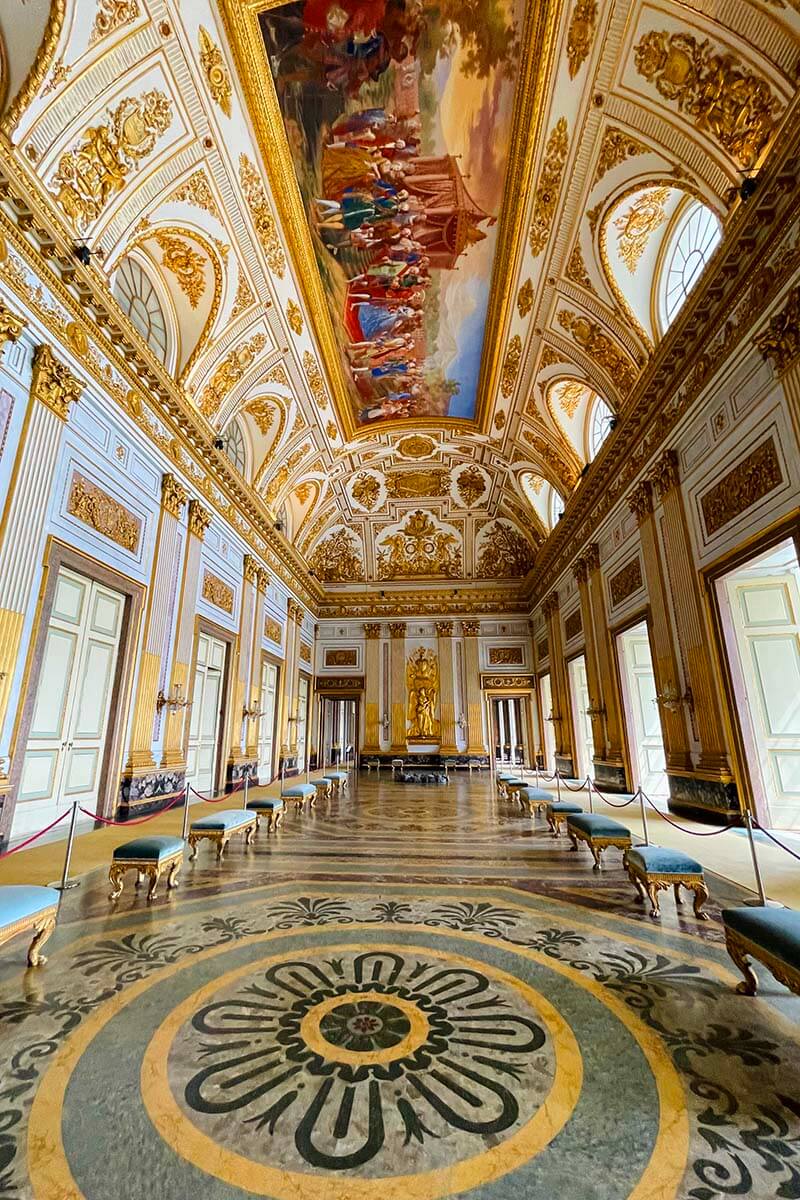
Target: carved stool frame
651 883
144 866
273 817
42 923
742 949
221 837
597 844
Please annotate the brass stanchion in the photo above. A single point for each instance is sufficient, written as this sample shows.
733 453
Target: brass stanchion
66 883
185 831
644 818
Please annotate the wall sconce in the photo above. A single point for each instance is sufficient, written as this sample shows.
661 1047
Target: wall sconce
671 699
174 701
461 723
251 714
595 710
556 720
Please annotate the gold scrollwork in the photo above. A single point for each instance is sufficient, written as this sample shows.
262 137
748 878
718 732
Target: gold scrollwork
294 316
419 548
505 553
217 592
525 298
470 485
636 225
743 486
110 16
229 372
549 188
600 349
102 512
337 558
256 197
215 71
53 383
11 326
185 264
511 364
581 34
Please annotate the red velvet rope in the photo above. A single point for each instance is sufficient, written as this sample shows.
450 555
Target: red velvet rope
35 837
138 820
216 799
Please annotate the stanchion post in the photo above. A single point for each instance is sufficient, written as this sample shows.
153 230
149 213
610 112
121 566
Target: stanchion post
558 785
762 895
644 817
66 883
246 788
185 830
591 785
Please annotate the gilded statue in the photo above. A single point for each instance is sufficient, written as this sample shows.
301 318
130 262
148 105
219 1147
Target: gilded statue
422 683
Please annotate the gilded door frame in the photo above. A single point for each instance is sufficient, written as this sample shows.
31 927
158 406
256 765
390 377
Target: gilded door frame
491 694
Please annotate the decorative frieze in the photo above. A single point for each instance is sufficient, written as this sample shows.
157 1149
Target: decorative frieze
341 658
626 581
199 519
272 630
508 683
506 656
53 383
743 486
173 495
347 684
217 592
90 504
304 652
780 341
372 630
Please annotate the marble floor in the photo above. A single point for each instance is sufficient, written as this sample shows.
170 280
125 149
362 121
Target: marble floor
407 993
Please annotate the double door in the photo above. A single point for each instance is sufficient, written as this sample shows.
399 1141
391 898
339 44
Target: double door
66 743
268 695
206 713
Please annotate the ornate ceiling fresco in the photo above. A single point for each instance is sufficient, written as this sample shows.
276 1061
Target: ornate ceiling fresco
413 259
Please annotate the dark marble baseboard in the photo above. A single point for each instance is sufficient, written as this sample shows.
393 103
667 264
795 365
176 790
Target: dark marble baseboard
565 766
610 777
145 793
702 797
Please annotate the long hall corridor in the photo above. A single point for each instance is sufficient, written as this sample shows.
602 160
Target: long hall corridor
404 992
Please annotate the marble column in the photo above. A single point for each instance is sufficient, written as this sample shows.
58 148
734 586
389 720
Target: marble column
447 696
397 632
565 744
609 767
665 657
372 686
174 752
253 691
472 684
147 702
713 780
53 389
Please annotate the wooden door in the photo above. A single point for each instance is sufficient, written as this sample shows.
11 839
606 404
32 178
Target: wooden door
549 732
266 725
643 716
302 723
206 718
579 697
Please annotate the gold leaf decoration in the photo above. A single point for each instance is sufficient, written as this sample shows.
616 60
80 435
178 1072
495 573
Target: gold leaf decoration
262 412
366 490
281 476
216 73
98 166
600 349
295 317
504 554
636 225
780 341
511 365
576 269
229 372
196 190
564 472
616 147
94 507
185 263
337 558
569 396
547 192
110 16
332 431
315 381
470 485
272 630
244 296
412 485
593 216
419 548
743 486
525 298
581 34
416 445
549 358
256 198
303 491
715 91
217 592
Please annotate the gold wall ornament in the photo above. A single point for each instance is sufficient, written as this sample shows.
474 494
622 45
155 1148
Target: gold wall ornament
564 471
173 495
416 445
665 475
625 582
244 296
303 491
419 548
444 628
413 485
549 188
470 485
346 685
262 412
600 348
217 592
215 70
304 652
576 269
573 625
294 316
272 631
196 190
505 553
98 166
366 490
266 230
470 628
186 264
499 420
341 658
53 383
229 372
397 629
94 507
593 216
569 395
506 656
714 90
76 336
616 147
581 34
199 519
422 683
780 341
549 357
511 364
513 683
316 383
250 569
743 486
332 431
281 477
372 630
640 501
525 298
110 16
338 558
11 326
637 224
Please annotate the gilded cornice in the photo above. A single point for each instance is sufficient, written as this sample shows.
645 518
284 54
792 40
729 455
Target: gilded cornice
53 383
11 326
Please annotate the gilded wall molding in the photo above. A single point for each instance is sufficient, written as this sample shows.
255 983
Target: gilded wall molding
173 495
101 512
780 341
53 383
217 592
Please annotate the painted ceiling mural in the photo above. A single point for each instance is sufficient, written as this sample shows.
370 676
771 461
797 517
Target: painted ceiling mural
300 216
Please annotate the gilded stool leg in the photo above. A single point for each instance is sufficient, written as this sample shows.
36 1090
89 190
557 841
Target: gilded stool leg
279 818
155 875
552 825
192 848
116 874
248 837
573 839
41 932
742 959
174 872
258 822
700 896
597 855
637 883
139 878
221 848
677 890
652 891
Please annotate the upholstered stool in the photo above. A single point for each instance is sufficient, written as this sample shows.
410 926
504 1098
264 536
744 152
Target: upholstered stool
24 907
598 832
534 797
340 779
557 812
220 827
510 784
271 808
772 935
653 868
298 793
150 856
325 786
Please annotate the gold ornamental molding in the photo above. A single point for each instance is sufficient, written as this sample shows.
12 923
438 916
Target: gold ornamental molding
101 512
11 326
537 56
744 485
173 495
41 65
217 592
508 683
53 383
339 684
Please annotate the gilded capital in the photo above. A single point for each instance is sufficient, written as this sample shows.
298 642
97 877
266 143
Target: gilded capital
397 629
591 556
470 628
372 630
640 501
666 473
173 495
11 326
199 519
263 579
53 383
550 604
780 341
580 570
444 628
250 569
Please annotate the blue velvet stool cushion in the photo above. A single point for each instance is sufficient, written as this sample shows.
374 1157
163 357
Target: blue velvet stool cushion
325 779
21 900
266 803
564 806
536 794
597 825
230 818
152 849
776 930
505 775
659 860
340 775
513 781
299 789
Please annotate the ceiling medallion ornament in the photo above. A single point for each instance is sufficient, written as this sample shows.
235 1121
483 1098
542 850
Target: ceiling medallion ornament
229 372
216 73
471 485
110 16
636 225
581 34
525 298
600 349
315 381
260 211
337 559
616 147
549 188
295 317
511 365
185 263
98 165
505 553
422 684
419 548
720 95
366 490
413 485
415 446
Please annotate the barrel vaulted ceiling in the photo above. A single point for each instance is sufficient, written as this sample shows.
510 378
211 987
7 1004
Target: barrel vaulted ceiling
186 144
